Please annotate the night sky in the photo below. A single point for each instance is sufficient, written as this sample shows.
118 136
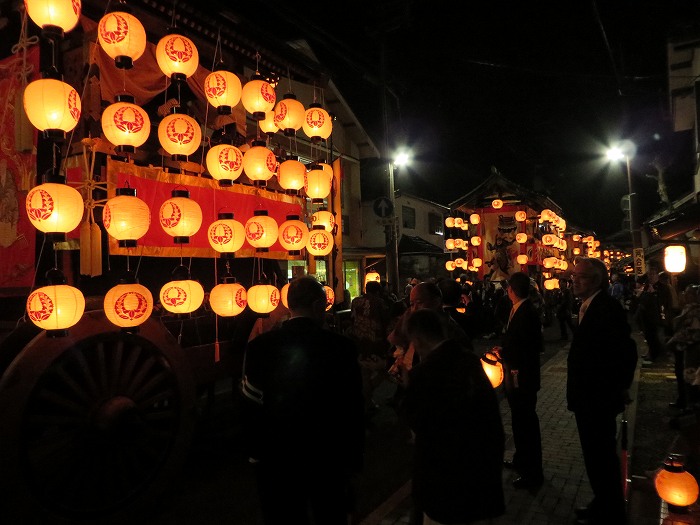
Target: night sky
536 89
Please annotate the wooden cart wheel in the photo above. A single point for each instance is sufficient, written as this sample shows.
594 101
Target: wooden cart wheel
96 422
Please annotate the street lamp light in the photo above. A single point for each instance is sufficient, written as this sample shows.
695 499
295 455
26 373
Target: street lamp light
615 154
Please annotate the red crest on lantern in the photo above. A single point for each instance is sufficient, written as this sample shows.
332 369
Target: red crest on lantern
174 296
139 309
220 234
178 49
128 120
168 221
40 205
254 230
118 28
39 306
180 131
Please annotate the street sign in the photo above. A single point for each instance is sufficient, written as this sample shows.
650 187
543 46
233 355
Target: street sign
383 207
639 266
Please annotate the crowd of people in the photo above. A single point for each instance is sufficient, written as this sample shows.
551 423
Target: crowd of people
309 390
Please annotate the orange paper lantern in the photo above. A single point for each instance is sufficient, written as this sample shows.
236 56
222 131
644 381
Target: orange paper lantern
177 56
54 208
52 106
226 235
54 17
223 90
224 163
122 36
293 235
289 114
128 304
125 124
291 175
258 97
180 135
263 298
261 231
228 299
318 181
259 163
317 123
320 242
180 216
181 297
126 217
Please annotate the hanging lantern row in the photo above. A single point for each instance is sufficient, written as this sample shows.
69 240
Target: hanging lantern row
555 263
549 216
555 241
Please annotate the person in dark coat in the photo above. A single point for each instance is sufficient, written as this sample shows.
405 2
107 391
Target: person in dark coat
303 414
601 364
459 441
520 352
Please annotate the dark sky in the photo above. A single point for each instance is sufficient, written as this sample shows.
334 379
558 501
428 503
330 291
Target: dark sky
537 89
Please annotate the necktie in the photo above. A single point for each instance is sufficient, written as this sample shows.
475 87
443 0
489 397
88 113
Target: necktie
581 312
510 317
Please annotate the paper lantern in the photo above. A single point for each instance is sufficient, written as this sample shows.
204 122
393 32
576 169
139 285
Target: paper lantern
283 295
261 231
226 235
674 258
267 124
291 175
54 17
223 90
293 235
497 204
475 240
521 238
320 242
179 135
372 276
459 221
474 218
522 259
263 298
551 284
323 218
181 297
520 216
450 222
477 262
330 297
318 181
55 307
125 124
128 305
122 36
674 484
459 261
259 163
224 163
450 266
289 114
126 217
317 123
576 251
450 244
177 56
493 368
549 239
54 208
52 106
228 299
258 97
180 216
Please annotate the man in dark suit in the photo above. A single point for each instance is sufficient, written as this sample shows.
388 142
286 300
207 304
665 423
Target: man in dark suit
601 365
520 352
303 414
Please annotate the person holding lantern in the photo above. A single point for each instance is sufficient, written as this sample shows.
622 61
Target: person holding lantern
601 364
303 414
520 351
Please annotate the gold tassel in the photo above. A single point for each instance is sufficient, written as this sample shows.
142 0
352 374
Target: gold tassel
95 250
85 258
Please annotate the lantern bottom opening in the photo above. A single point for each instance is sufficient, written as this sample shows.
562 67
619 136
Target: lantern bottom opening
224 110
225 183
181 239
52 334
127 243
123 62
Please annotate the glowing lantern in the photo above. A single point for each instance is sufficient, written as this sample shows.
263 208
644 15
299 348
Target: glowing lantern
549 262
291 174
522 259
180 135
330 297
52 106
576 238
320 242
258 97
54 208
450 222
372 276
289 114
674 258
54 17
181 297
261 231
55 307
323 218
493 368
549 239
259 163
674 485
228 299
576 251
226 235
521 238
318 181
477 262
459 222
263 298
177 56
317 123
180 216
283 295
450 244
128 304
474 218
497 204
450 266
267 124
223 90
122 36
293 235
550 284
459 261
125 124
224 163
459 243
475 240
126 217
520 216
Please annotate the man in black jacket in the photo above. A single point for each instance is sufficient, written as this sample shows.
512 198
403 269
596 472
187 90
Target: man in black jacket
520 352
601 365
303 417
